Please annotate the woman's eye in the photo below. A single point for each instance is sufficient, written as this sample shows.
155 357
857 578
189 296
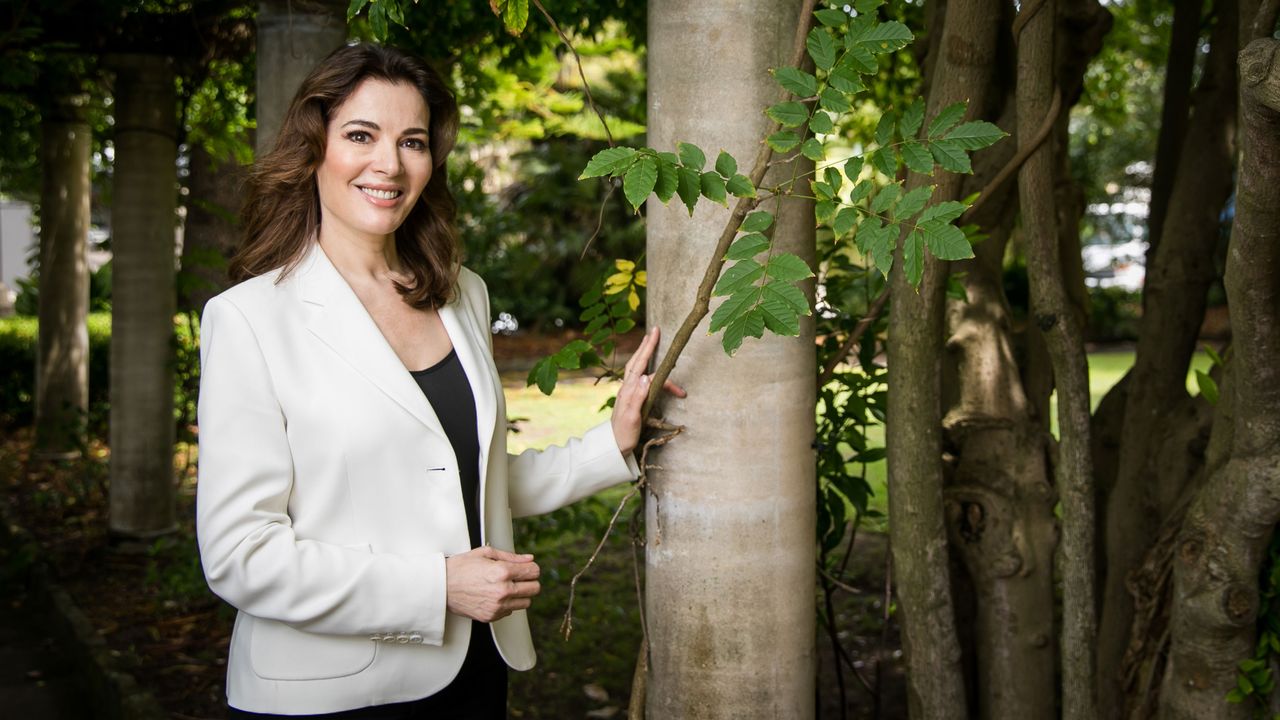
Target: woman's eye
415 144
358 136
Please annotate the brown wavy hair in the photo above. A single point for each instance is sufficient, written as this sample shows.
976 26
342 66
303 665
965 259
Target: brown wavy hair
281 213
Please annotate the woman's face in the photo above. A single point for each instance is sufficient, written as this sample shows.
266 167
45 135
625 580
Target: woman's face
376 163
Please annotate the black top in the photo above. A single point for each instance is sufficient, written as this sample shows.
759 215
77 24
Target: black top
447 389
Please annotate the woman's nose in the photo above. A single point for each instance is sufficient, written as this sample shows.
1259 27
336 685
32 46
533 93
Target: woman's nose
386 159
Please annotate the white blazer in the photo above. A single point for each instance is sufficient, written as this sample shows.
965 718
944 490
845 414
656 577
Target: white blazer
329 496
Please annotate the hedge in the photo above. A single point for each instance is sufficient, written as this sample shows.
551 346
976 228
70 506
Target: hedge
18 344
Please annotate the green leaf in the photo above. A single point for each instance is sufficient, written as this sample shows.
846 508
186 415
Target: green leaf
750 324
544 375
669 157
945 241
824 211
668 179
831 99
355 7
884 129
886 37
640 180
779 315
516 16
911 203
610 161
591 312
790 294
812 149
796 81
917 157
790 114
846 220
821 123
788 267
570 356
691 156
911 119
833 178
624 325
726 165
783 140
951 156
822 48
853 168
689 186
396 13
875 239
831 17
886 161
975 135
740 186
713 188
378 21
822 190
734 307
955 288
866 7
860 59
747 246
861 191
946 119
846 80
741 274
758 221
885 199
1213 355
944 211
1208 388
913 258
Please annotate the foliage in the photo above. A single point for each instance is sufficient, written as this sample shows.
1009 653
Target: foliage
19 339
1114 314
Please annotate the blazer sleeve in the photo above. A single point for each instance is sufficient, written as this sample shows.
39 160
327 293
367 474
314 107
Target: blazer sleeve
540 481
251 555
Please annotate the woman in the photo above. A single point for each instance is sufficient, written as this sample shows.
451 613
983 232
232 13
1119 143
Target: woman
355 494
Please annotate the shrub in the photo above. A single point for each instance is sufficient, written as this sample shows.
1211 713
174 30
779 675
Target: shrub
19 340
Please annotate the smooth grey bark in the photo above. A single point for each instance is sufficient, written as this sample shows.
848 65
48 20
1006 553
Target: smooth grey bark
1059 321
293 36
1224 538
143 220
1175 295
730 519
62 364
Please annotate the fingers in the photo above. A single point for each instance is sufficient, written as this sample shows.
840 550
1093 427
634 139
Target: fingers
494 553
674 389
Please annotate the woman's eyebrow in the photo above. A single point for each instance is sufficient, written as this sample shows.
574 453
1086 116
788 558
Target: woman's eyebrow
374 126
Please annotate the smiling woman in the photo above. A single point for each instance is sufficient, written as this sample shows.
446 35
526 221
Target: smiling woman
355 494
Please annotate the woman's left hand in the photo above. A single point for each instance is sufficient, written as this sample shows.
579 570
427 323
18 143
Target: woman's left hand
635 388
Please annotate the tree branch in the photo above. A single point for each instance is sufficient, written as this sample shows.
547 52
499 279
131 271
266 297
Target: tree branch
585 86
744 205
873 312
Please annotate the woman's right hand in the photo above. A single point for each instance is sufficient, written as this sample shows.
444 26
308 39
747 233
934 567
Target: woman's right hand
488 584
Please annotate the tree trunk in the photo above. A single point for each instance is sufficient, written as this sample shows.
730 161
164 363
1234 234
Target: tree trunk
1059 319
143 220
1183 39
1175 295
1224 538
209 233
935 684
730 521
293 36
62 371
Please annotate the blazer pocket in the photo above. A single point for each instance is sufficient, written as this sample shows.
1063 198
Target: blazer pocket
280 652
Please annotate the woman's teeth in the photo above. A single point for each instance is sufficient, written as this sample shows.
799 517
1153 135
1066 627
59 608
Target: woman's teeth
381 194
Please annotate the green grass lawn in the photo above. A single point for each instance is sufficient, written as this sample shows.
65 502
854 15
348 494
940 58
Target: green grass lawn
576 406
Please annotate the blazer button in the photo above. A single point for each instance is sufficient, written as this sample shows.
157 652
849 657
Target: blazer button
402 639
375 637
415 639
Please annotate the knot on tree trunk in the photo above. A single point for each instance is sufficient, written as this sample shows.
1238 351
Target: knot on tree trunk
1258 71
1046 321
1240 604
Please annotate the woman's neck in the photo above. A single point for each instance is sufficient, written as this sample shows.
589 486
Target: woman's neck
359 259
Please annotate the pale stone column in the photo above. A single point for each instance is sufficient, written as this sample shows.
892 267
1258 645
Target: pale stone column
293 36
730 521
143 221
62 366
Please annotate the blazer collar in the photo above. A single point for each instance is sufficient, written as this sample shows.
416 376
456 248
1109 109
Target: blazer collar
340 321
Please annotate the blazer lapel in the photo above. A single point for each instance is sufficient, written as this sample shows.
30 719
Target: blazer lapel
339 320
471 351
